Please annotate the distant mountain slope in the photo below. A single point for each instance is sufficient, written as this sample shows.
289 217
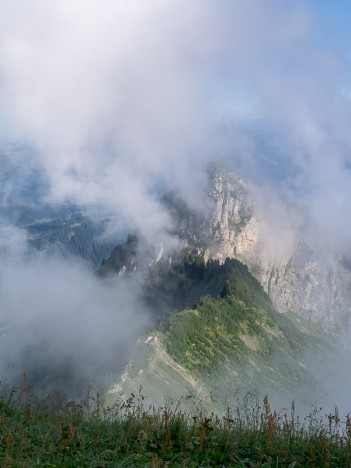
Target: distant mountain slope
62 228
74 234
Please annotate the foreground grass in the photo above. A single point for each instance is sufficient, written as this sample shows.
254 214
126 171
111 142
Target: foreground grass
46 432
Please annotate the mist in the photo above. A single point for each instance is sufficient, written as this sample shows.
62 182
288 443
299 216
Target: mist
63 327
121 101
122 98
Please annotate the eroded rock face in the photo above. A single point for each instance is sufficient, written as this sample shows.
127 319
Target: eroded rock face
228 229
308 280
233 225
308 285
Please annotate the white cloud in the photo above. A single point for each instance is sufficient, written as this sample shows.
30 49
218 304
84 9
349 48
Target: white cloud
118 94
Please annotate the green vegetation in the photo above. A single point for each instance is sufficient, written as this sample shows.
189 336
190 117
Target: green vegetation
201 339
236 323
75 235
224 337
61 228
87 434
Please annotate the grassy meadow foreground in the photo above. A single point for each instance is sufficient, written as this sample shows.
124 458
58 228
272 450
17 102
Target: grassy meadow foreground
49 433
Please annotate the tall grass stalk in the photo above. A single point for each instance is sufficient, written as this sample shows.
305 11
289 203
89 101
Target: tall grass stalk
48 431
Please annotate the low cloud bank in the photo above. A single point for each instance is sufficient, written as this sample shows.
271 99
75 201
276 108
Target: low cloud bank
62 326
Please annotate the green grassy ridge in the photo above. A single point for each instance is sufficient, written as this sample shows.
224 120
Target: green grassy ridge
220 327
240 323
230 341
87 434
229 345
200 339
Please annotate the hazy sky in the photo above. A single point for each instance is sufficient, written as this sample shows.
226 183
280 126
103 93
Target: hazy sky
120 97
335 17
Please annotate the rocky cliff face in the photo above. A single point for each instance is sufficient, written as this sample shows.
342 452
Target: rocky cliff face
303 278
307 279
315 287
310 281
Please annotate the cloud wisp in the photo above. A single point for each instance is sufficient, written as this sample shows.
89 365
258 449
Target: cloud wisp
63 327
120 97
